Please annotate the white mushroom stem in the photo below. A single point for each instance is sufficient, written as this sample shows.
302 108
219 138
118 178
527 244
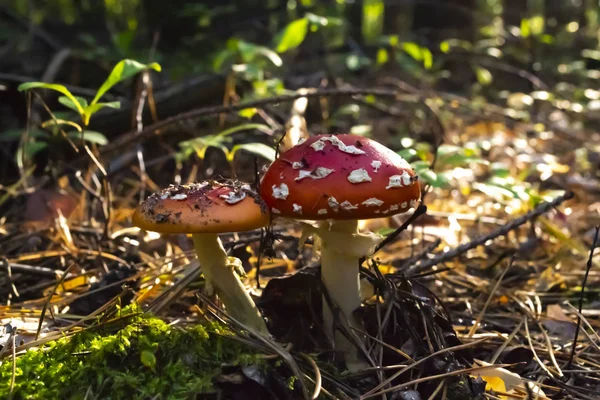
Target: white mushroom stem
219 272
341 247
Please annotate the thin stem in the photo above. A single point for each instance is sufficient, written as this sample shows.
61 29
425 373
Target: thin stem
220 274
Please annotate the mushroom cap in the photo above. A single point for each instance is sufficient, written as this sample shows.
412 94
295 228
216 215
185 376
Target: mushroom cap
339 177
204 207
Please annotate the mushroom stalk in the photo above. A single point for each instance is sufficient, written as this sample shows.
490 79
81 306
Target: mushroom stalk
341 248
219 272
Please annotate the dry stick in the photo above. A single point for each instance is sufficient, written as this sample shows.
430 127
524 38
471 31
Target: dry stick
506 342
535 356
201 112
437 353
587 272
437 390
432 377
489 299
422 209
502 231
49 298
587 324
549 347
317 380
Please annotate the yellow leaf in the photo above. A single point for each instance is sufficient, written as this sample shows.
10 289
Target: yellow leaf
494 383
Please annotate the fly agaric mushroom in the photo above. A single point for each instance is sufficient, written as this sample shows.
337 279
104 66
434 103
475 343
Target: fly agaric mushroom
206 209
339 180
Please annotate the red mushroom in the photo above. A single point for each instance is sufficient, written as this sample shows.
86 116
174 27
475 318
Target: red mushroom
340 180
206 209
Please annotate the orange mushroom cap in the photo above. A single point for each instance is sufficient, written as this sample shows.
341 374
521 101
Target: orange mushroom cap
339 177
204 207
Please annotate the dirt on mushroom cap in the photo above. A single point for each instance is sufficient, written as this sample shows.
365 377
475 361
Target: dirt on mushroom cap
204 207
341 177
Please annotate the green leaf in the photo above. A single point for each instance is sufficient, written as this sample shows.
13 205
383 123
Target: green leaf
123 70
249 51
323 21
382 56
484 76
30 149
55 87
446 149
259 149
94 108
89 136
200 145
244 127
292 35
372 21
525 32
148 359
536 25
220 58
460 160
65 101
413 50
407 154
248 112
419 53
445 46
427 58
12 135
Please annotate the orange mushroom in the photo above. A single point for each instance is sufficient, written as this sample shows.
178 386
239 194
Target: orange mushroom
206 209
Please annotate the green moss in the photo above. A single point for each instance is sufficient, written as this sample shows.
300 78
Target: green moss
145 359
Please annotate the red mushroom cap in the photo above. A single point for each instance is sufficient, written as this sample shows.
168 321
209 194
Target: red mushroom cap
339 177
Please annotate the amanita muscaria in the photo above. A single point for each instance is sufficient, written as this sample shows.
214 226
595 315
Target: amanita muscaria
339 180
206 209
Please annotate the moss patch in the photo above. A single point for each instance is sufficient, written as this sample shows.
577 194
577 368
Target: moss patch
145 359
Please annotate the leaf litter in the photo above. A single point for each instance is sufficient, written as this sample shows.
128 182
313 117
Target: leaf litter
482 292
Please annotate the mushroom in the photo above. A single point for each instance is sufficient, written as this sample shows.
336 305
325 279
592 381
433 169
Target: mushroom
338 180
206 209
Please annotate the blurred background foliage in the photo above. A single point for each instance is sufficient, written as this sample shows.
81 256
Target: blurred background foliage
532 57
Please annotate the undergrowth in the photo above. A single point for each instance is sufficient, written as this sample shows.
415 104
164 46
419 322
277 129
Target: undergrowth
146 359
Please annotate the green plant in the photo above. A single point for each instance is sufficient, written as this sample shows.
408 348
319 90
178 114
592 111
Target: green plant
123 70
449 159
200 145
51 131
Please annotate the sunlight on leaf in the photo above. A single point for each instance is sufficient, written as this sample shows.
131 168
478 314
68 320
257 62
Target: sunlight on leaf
292 35
89 136
244 127
407 154
65 101
55 87
382 56
259 149
93 108
419 53
248 112
372 25
484 76
249 51
123 70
